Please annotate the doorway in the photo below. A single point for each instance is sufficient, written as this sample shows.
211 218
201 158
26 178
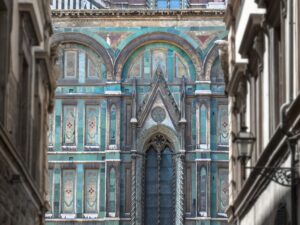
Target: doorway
159 182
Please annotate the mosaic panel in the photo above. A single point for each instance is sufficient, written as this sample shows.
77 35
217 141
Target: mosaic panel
91 190
159 59
69 124
81 62
171 60
223 129
217 74
70 64
68 191
203 115
92 125
137 67
112 191
181 67
223 190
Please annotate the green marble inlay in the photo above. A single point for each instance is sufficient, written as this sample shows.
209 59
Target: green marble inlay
102 210
79 190
56 193
103 124
58 114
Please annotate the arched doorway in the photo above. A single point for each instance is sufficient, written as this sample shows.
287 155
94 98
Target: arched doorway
159 182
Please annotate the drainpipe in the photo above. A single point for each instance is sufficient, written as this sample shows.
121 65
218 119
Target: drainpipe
283 108
291 83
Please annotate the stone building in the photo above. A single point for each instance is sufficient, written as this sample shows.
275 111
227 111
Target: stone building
261 64
26 97
139 134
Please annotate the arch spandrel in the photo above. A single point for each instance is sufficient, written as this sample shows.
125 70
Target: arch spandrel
85 40
156 37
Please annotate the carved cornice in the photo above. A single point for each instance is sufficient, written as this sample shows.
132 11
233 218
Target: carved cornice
273 10
120 13
252 29
235 78
26 7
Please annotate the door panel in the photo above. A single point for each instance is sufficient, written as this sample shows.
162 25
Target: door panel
151 189
166 188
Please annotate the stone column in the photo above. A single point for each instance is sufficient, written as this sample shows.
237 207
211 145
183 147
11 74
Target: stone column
133 122
179 217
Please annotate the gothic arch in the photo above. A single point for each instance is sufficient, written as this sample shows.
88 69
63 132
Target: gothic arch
146 134
83 39
156 37
208 62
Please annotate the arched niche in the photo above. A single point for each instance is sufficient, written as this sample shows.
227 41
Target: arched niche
173 61
85 40
156 37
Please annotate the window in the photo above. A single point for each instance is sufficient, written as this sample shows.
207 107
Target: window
113 125
51 127
112 193
127 190
202 196
50 189
203 124
188 189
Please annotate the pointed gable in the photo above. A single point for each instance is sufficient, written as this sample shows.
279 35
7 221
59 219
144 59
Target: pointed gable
159 92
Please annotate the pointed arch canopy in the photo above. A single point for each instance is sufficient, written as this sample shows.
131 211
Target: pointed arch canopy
208 63
83 39
156 37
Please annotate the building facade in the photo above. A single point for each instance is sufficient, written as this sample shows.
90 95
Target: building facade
26 96
261 66
139 134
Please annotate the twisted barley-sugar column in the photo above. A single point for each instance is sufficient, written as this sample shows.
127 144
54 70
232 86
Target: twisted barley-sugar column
179 190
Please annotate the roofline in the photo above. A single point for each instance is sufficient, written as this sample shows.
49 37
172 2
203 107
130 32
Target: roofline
102 13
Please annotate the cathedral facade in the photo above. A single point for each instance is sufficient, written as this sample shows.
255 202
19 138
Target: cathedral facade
139 133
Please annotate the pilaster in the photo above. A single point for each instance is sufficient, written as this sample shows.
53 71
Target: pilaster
79 190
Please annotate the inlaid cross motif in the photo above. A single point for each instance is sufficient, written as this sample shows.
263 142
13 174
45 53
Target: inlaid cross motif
69 125
91 190
92 124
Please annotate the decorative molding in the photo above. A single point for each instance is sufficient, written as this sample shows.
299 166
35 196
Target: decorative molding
121 13
252 29
27 7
